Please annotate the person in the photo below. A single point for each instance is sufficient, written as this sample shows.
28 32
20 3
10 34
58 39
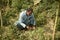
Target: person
26 20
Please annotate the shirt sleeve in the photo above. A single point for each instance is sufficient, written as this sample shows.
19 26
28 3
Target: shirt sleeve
21 17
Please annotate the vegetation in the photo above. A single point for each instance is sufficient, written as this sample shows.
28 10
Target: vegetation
47 15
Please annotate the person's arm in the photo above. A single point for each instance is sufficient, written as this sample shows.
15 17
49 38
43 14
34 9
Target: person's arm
21 17
33 20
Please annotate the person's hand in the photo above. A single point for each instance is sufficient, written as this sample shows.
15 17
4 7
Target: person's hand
28 27
34 27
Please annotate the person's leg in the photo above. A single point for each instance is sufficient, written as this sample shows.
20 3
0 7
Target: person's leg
20 27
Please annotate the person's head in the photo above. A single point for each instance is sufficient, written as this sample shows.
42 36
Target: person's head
29 11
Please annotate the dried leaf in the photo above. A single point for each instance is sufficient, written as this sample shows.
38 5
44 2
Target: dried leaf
36 1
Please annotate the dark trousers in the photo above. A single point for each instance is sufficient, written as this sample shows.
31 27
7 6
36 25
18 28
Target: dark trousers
21 27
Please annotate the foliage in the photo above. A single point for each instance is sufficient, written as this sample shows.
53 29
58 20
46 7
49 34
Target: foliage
44 12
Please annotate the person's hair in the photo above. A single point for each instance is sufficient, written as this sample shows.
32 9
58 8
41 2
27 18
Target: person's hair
29 9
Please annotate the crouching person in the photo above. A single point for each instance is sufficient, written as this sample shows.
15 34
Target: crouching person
26 20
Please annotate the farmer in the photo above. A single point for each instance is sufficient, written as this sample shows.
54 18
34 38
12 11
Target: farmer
26 20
